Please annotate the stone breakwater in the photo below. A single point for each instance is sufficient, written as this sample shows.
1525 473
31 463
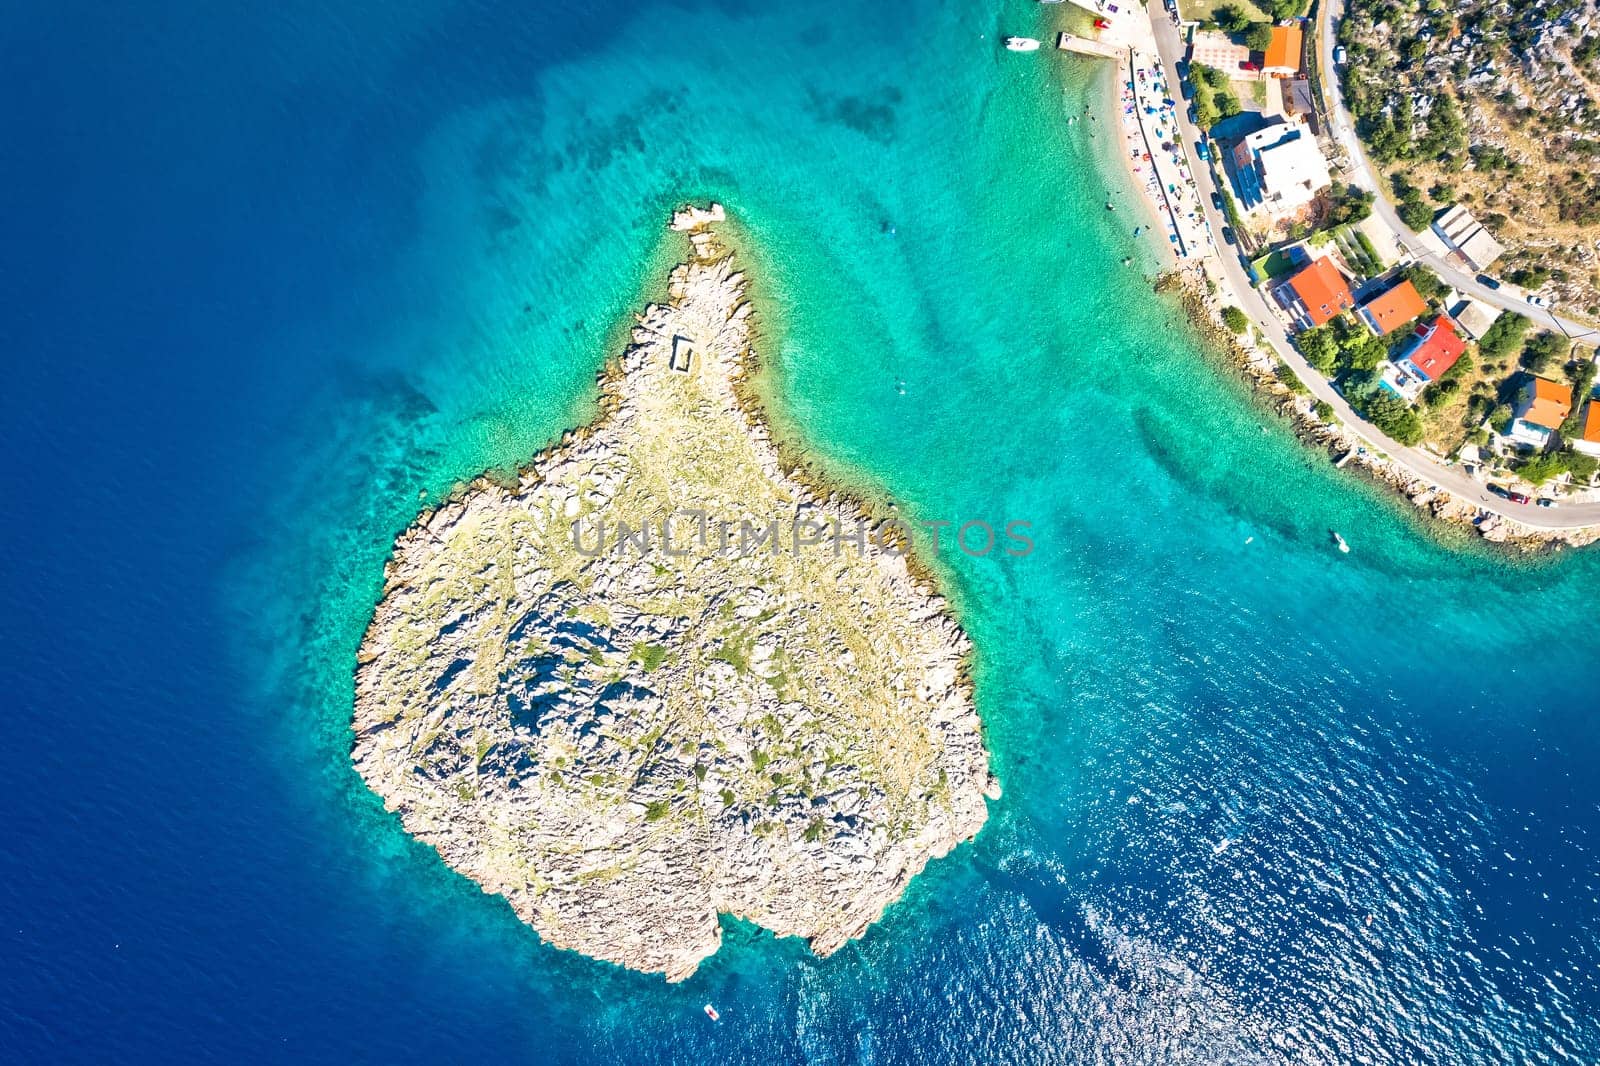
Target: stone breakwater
1262 372
627 745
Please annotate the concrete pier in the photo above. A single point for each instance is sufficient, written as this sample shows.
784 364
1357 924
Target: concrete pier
1069 42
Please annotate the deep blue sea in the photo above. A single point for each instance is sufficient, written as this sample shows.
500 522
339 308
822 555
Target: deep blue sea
276 275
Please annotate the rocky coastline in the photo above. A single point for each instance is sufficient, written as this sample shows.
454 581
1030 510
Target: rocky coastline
1264 375
744 699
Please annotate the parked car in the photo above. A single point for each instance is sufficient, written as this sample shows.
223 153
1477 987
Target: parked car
1216 200
1538 301
1545 501
1519 497
1203 150
1487 282
1227 235
1340 55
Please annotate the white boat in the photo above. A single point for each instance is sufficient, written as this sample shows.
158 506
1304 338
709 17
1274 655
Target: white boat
1340 541
1021 44
711 1012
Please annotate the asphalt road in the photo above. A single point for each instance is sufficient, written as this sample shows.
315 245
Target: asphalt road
1415 461
1362 174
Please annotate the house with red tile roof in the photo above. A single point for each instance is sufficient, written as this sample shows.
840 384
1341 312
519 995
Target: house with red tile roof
1387 312
1423 358
1432 348
1317 293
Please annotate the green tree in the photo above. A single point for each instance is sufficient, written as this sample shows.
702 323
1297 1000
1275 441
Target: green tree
1416 214
1388 412
1231 18
1362 352
1258 38
1541 468
1581 373
1320 348
1425 281
1581 467
1544 351
1504 337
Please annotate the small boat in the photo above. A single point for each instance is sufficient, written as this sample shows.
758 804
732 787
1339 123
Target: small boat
1339 541
711 1012
1021 44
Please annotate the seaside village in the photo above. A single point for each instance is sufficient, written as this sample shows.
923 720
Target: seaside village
1476 385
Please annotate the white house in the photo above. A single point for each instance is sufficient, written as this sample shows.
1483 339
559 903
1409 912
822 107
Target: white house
1280 168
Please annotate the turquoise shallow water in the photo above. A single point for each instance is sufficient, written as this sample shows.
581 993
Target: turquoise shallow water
406 240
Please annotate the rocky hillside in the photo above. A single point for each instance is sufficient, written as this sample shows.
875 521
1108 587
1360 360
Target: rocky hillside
658 679
1495 103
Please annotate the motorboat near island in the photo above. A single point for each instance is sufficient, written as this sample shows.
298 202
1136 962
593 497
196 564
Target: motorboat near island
1021 44
711 1012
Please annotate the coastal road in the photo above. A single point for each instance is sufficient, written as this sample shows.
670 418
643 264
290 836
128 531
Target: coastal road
1361 173
1225 262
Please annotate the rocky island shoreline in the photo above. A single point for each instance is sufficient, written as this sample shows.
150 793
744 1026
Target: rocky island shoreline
659 679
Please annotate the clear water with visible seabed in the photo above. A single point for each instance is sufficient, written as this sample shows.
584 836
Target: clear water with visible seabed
272 275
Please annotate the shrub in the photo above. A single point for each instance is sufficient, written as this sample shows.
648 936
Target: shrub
1290 378
1500 418
1541 468
1459 369
1324 410
1581 467
1235 319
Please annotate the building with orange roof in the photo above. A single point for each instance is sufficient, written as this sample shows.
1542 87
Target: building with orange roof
1282 58
1317 293
1588 439
1542 406
1388 312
